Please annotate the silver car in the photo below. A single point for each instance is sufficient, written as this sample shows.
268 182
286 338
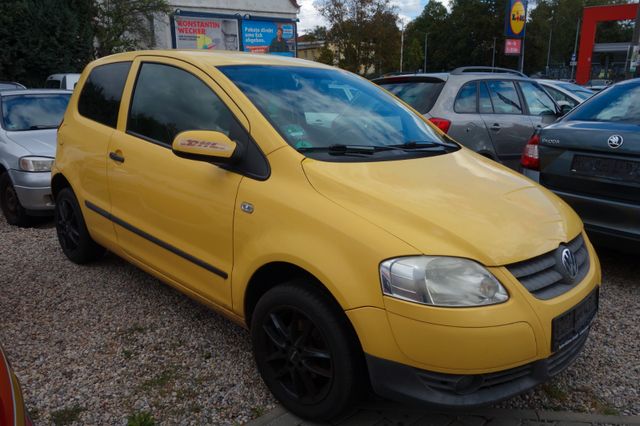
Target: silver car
493 111
28 125
566 93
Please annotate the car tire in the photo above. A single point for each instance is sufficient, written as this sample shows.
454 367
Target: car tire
307 352
74 238
13 211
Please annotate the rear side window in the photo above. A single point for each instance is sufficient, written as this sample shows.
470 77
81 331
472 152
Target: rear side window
616 104
538 101
484 103
420 94
467 98
504 97
168 100
102 92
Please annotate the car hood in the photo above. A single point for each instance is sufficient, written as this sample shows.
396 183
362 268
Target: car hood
459 204
37 142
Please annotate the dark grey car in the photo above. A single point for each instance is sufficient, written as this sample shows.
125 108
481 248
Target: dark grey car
591 158
493 111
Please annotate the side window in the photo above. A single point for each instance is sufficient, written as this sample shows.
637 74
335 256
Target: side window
538 101
466 100
102 92
504 97
168 100
485 105
561 98
52 84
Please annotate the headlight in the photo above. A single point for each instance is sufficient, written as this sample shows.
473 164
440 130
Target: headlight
36 164
440 281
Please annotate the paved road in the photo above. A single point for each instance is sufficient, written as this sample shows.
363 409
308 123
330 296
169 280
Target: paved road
388 414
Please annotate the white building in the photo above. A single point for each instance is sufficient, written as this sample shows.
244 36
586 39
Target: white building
250 25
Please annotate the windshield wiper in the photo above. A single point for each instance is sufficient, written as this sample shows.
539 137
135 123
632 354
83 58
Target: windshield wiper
341 149
422 145
42 127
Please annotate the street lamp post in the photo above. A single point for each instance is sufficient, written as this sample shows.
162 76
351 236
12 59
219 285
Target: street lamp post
401 47
426 38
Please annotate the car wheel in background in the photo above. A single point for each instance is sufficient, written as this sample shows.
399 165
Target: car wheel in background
306 352
10 204
72 231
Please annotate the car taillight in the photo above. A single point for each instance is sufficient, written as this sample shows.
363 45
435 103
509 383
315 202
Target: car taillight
441 123
531 156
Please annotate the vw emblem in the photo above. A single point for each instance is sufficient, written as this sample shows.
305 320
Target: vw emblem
569 262
615 141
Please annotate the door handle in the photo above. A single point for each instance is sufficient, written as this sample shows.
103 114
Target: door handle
495 127
116 157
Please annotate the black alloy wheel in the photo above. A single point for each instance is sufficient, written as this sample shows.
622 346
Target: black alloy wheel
73 235
307 352
298 355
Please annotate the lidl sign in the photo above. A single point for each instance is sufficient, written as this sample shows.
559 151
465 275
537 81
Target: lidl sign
516 18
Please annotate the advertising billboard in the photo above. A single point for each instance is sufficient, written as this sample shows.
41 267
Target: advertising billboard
203 32
273 37
515 19
512 46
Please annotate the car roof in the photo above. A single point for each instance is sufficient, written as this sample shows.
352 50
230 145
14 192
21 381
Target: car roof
34 92
214 58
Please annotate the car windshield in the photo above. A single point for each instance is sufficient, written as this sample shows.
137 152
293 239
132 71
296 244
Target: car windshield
10 86
579 91
33 112
616 104
420 94
315 109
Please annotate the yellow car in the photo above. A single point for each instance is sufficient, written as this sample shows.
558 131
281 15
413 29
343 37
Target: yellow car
358 243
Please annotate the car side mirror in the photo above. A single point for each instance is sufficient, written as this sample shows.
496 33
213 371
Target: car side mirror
205 145
564 109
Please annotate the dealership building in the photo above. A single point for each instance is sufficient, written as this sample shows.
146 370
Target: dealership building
258 26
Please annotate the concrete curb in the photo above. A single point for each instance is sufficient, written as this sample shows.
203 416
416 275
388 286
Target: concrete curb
393 414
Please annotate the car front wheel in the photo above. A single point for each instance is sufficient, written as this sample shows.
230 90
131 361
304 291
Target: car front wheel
306 351
11 208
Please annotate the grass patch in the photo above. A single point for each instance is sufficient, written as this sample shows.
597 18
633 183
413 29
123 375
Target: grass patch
66 416
554 392
127 354
142 418
258 411
158 382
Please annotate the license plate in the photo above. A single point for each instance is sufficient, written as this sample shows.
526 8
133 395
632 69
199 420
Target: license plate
569 326
611 168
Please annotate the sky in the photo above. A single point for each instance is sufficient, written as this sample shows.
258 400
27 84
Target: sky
309 16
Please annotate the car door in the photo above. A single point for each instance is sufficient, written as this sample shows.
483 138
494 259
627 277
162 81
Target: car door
540 107
508 125
467 126
172 214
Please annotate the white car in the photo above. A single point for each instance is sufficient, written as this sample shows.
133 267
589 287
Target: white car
566 93
62 81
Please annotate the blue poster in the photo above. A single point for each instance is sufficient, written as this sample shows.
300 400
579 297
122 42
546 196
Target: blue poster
276 38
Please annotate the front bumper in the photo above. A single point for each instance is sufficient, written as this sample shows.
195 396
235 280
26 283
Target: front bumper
412 385
33 190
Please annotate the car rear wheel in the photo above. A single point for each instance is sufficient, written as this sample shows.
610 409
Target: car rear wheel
72 231
10 204
306 352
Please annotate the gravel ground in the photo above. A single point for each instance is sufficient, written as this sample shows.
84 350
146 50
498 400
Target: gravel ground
97 344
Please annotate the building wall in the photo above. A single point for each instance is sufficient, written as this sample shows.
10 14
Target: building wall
269 8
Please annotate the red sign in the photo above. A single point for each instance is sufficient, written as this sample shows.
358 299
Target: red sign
512 46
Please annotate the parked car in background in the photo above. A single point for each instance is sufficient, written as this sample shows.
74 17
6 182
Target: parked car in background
402 260
28 127
10 85
12 409
598 84
566 93
493 111
62 81
591 158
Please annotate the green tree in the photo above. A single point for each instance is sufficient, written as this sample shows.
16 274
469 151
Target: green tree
326 56
364 33
123 25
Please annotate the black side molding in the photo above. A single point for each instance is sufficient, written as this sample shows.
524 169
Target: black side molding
156 241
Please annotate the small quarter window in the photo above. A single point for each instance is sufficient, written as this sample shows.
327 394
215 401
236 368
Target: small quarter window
102 92
467 99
